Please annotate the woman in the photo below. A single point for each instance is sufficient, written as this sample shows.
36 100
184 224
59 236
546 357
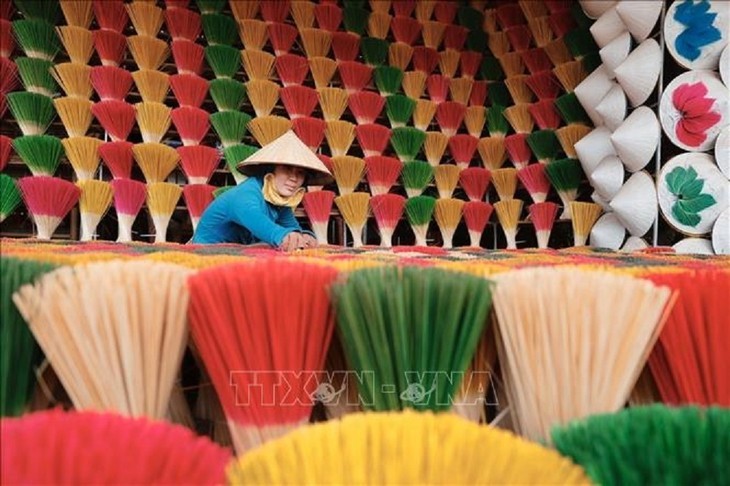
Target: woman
261 209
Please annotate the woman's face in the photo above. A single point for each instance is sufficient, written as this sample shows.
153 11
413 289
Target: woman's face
288 179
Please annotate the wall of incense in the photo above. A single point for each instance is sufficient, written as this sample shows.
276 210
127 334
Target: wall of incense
484 123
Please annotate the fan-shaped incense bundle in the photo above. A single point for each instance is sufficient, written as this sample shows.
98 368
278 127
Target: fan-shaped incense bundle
153 120
423 114
399 55
379 24
492 152
519 118
35 75
505 181
373 138
183 24
191 124
188 56
152 85
156 160
345 45
263 95
434 147
224 60
231 126
34 112
83 154
462 148
37 38
10 196
333 102
310 319
75 114
474 119
569 135
583 216
348 172
234 155
84 434
340 135
624 337
414 84
407 306
302 11
387 210
387 79
95 200
48 200
476 217
110 46
508 213
318 206
243 9
399 109
316 42
447 178
162 198
565 175
74 79
291 69
543 216
129 196
219 29
419 210
41 153
135 382
78 42
323 69
198 162
77 13
257 64
447 214
266 129
254 33
416 175
515 462
460 89
110 82
148 52
197 198
450 116
146 17
354 208
310 130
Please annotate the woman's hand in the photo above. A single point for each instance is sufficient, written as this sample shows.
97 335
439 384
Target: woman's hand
292 241
309 241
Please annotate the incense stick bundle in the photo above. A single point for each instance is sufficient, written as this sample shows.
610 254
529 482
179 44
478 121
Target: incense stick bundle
300 345
365 106
110 46
399 459
20 352
400 55
340 135
535 181
447 178
10 197
447 214
333 102
74 79
379 23
153 120
83 154
387 210
354 208
35 75
118 158
95 200
152 85
316 42
348 172
48 200
129 196
156 160
34 112
148 52
565 175
318 206
492 152
144 451
254 33
434 147
543 216
505 181
302 11
75 114
189 56
266 129
416 175
77 13
583 216
191 123
198 162
110 82
323 69
146 17
624 337
234 155
476 217
423 114
257 64
82 339
78 42
414 84
162 198
419 210
197 198
41 153
508 213
373 138
310 130
263 95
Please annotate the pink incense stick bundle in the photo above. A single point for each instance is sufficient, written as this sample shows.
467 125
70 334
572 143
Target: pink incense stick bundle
198 162
388 211
476 216
129 196
475 182
318 206
48 199
518 150
535 181
366 106
188 56
543 217
116 117
111 82
382 172
310 130
291 69
373 138
192 124
197 198
183 24
189 89
463 147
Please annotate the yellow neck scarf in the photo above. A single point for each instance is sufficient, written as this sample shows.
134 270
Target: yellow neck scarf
272 196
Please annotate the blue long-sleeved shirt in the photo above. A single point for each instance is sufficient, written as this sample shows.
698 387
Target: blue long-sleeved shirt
242 215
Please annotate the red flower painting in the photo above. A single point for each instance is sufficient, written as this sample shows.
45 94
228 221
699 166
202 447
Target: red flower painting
696 113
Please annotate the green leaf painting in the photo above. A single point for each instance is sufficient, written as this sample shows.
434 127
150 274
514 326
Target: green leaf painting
684 184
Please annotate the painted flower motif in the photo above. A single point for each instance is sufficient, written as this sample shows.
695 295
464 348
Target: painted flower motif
685 184
699 29
696 115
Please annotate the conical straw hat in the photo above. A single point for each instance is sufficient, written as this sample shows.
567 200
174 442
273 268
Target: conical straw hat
288 150
672 116
608 232
591 91
709 54
640 16
722 151
592 148
612 108
608 177
615 52
694 246
634 243
635 204
608 26
596 198
595 8
725 66
683 207
721 234
639 73
637 138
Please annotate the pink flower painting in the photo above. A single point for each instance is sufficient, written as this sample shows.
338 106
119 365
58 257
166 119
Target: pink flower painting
696 115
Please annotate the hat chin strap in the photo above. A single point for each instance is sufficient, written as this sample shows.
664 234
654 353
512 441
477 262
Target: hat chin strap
271 195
